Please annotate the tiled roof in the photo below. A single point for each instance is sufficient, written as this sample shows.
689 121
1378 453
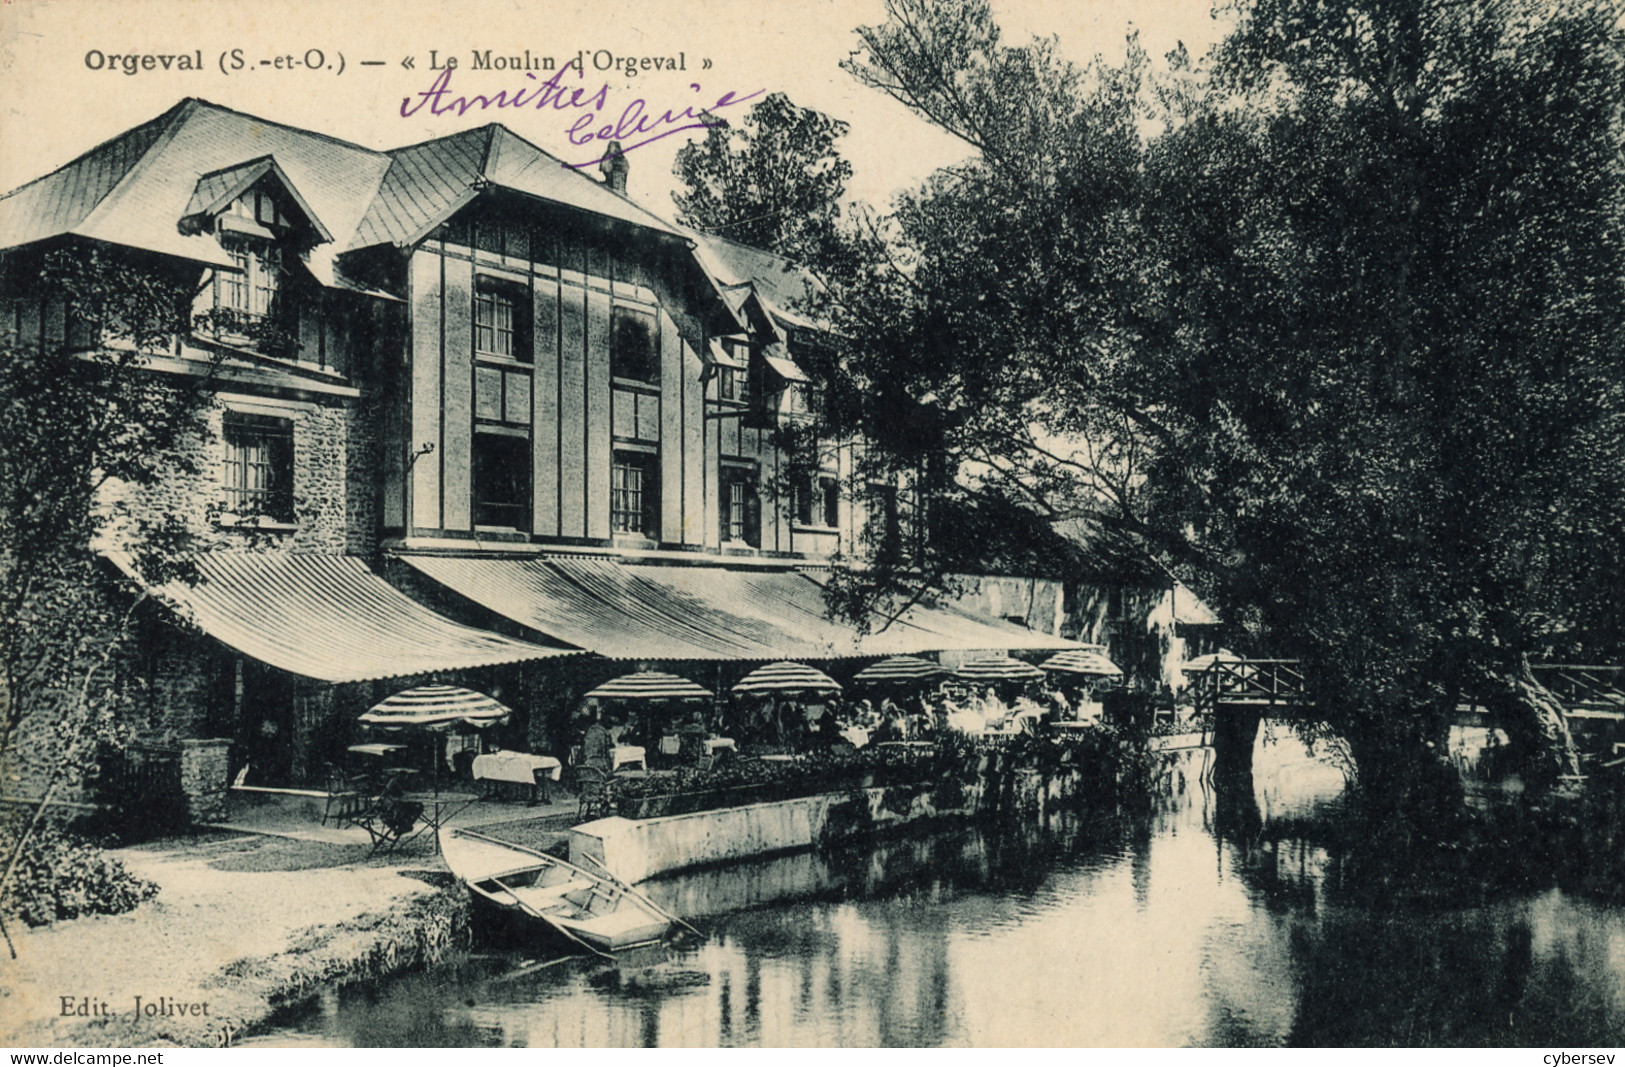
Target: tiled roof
216 190
778 283
427 182
135 189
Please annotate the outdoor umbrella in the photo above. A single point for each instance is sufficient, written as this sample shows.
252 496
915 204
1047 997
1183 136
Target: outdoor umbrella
1090 660
786 677
899 670
437 707
1003 669
1203 663
650 685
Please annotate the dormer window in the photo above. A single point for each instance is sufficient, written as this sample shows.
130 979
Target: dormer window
250 290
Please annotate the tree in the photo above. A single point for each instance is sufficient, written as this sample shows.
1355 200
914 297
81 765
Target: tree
1336 332
1386 331
77 414
775 181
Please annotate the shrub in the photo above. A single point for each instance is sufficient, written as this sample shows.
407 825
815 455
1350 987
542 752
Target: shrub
63 876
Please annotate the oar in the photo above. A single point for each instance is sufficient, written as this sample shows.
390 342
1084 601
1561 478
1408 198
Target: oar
543 916
634 894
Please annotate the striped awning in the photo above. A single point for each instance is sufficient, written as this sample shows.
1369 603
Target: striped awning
1090 660
787 677
645 612
1003 669
328 618
436 707
899 670
650 685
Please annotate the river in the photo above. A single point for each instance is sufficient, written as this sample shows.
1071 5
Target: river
1164 928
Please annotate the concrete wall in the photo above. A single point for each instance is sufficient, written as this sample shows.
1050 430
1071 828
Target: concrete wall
634 850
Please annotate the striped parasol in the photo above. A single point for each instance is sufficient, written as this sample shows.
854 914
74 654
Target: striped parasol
1211 660
1090 660
650 685
1003 669
436 707
899 670
787 677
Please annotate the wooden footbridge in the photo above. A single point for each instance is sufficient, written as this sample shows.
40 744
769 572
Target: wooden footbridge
1586 692
1239 692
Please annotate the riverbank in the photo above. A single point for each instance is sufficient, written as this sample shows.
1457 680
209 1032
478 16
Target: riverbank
242 925
251 917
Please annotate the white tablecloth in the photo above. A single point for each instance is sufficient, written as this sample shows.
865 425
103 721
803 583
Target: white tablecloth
714 743
515 767
628 754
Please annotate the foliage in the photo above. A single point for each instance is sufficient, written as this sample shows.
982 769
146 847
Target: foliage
1107 758
62 876
775 181
1333 326
78 416
1386 331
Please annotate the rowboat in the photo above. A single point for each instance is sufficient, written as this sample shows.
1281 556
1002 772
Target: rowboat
593 910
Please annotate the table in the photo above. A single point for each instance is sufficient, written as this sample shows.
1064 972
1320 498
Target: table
626 755
712 744
377 748
521 767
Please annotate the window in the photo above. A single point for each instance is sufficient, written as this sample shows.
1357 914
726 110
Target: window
250 290
632 349
501 320
502 480
741 507
634 491
818 503
258 472
883 517
734 385
802 398
830 489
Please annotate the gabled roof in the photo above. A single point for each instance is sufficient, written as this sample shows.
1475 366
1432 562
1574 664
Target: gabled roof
427 183
135 189
216 190
778 284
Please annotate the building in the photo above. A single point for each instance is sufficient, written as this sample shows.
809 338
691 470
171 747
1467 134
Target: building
473 415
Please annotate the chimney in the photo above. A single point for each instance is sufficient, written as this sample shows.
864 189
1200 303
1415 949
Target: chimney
614 167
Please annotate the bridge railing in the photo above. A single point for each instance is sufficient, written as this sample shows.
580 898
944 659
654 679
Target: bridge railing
1250 681
1579 688
1582 686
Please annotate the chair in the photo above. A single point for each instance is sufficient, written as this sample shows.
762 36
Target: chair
344 800
594 793
389 820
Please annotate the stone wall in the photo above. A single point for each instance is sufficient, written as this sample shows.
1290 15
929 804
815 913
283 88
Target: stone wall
204 778
335 487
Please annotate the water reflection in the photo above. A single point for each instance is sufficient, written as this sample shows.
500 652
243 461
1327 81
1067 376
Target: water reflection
1215 919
